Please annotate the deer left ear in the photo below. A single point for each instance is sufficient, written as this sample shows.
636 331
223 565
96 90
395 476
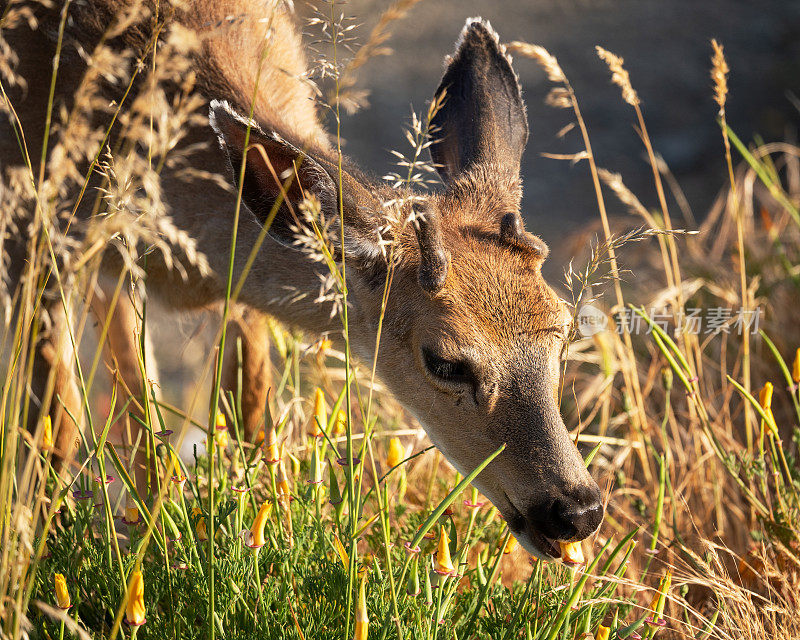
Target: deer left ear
483 116
278 177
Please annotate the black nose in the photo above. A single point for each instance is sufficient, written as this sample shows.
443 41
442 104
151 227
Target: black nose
573 515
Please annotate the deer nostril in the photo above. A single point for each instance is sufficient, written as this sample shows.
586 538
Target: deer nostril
576 516
571 516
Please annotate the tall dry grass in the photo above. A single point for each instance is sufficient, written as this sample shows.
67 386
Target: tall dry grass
699 473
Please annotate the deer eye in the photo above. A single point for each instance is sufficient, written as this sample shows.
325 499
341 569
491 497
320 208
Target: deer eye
453 371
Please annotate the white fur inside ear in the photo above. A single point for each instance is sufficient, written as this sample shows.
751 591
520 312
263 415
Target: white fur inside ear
222 116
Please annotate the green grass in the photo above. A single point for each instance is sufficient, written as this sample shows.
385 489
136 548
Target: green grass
303 581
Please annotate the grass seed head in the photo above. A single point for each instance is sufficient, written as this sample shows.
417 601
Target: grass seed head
719 74
619 76
541 56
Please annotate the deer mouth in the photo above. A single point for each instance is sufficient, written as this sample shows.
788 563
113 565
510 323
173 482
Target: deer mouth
543 544
531 539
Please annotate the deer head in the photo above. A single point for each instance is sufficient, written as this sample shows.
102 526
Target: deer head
472 335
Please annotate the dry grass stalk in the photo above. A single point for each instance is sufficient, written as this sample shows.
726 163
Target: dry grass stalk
619 75
669 251
543 58
719 74
555 74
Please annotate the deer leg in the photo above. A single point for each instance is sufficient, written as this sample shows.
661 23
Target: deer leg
122 354
54 388
250 329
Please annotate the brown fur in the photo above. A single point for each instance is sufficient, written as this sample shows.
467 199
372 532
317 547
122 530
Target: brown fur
490 308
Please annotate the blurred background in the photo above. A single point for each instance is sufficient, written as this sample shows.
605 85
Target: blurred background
665 44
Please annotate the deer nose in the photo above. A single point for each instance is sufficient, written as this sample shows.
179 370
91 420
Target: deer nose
572 516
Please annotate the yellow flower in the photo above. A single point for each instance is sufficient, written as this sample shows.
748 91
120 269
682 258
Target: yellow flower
271 447
765 400
221 422
659 600
765 396
177 471
444 565
396 453
220 431
256 534
200 527
221 438
282 481
362 619
323 345
340 427
283 484
131 510
572 553
796 367
62 595
135 611
319 421
511 544
602 633
47 434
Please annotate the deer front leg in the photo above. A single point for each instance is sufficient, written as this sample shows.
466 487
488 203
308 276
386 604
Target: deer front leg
54 389
250 328
122 355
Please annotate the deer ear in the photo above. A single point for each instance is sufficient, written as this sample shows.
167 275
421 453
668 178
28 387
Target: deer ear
276 170
482 117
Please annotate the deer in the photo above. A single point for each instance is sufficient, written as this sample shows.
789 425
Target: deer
472 336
